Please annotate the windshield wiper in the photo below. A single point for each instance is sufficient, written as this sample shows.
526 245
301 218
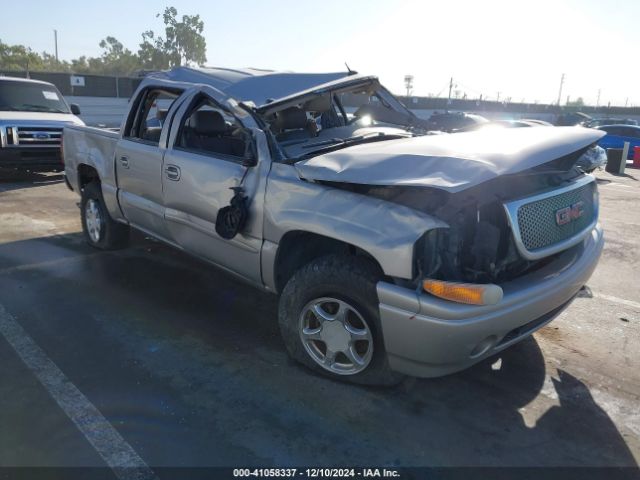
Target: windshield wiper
330 141
338 143
40 108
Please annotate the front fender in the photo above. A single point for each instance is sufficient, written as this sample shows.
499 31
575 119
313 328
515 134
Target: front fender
385 230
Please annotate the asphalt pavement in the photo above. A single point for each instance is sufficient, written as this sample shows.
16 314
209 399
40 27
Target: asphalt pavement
147 357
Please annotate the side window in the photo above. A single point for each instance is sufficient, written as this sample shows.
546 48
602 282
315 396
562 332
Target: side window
210 130
150 115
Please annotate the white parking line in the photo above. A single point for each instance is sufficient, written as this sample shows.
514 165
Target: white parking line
114 450
614 184
620 301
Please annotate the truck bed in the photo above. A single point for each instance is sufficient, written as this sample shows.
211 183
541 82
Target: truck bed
91 146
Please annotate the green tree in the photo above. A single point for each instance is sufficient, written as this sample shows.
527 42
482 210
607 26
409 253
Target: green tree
182 44
152 52
18 57
579 102
115 58
50 64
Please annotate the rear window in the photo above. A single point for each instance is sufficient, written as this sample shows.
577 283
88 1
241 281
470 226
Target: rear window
18 96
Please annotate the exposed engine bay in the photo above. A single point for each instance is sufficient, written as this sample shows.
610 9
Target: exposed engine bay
479 246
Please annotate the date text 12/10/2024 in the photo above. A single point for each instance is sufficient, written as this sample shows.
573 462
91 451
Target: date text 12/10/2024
316 472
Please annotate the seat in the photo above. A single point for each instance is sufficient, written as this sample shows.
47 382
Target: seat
291 125
323 108
207 130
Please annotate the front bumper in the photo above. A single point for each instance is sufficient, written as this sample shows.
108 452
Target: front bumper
30 158
428 337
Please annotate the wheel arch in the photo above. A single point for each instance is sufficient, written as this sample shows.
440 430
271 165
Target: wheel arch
87 174
297 248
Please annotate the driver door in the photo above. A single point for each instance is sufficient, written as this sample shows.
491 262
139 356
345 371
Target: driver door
208 154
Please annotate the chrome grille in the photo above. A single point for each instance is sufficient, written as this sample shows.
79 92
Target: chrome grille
33 136
39 136
550 222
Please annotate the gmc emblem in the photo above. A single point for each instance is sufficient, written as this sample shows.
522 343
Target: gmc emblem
569 214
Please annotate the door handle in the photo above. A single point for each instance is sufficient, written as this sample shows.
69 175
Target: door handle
124 161
172 172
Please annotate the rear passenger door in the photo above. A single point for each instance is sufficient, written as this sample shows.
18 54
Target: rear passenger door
138 161
208 151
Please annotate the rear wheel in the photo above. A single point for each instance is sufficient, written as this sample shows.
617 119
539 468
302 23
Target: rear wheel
100 230
329 320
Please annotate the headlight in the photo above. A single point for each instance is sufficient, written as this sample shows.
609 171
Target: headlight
469 293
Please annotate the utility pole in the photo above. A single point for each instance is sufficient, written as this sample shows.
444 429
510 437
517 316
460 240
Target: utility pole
626 102
598 100
55 40
560 92
498 97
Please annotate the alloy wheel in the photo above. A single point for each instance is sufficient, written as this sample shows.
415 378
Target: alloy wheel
336 336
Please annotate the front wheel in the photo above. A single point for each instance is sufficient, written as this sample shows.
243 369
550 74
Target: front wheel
329 320
100 230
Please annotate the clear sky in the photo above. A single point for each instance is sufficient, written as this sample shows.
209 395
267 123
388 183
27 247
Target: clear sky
517 48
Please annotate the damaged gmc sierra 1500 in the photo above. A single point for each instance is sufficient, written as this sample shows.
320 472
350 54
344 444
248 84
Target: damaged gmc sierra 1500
394 251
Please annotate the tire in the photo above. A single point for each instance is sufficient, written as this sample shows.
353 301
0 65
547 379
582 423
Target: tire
336 284
99 229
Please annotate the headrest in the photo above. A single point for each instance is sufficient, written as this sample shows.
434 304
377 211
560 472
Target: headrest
291 118
207 122
319 104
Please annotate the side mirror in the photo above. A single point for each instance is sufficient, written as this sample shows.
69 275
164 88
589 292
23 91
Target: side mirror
75 109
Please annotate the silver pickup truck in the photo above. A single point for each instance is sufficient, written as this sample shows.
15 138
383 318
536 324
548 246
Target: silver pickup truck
32 116
393 251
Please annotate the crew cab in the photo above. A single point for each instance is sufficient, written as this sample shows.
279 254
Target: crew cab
32 116
394 252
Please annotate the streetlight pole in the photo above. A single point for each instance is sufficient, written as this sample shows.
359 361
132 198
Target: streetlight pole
408 83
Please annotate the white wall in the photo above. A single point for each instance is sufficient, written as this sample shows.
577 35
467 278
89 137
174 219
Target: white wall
105 111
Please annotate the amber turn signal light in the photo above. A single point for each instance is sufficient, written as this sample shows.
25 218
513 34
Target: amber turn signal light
469 293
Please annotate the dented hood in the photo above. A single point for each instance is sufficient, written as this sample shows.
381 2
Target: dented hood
450 162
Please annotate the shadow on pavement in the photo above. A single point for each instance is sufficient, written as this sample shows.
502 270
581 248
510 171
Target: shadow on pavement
495 396
150 321
18 179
